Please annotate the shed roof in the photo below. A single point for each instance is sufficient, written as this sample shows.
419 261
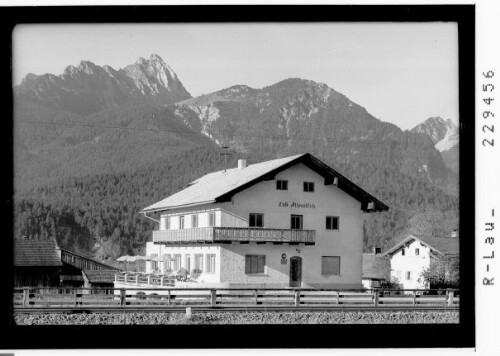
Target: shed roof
441 245
222 185
100 275
36 253
368 271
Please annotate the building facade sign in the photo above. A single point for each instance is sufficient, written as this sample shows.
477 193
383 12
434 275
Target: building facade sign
294 204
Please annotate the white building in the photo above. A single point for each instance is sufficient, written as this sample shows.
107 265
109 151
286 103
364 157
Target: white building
289 222
412 256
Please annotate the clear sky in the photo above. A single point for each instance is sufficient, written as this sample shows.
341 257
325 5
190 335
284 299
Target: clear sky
401 73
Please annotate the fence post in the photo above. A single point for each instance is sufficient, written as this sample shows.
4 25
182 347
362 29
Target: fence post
338 297
125 277
414 297
450 298
375 298
162 280
26 296
168 300
149 279
122 297
75 293
212 297
256 297
297 298
136 279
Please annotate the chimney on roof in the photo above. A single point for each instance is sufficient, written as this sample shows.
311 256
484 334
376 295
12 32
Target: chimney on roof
242 163
454 233
376 250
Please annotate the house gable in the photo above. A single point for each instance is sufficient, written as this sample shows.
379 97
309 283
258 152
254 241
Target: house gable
221 186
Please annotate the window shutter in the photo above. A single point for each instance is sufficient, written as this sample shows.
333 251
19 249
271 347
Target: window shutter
261 262
248 263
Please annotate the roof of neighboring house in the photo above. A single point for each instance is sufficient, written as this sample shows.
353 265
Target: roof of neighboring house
222 185
100 275
36 253
92 260
368 271
441 245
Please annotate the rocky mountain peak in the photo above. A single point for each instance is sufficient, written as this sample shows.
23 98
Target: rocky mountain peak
437 128
88 87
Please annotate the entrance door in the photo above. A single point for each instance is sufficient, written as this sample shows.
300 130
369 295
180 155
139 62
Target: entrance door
295 271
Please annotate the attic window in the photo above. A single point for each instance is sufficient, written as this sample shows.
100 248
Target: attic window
281 184
402 252
308 186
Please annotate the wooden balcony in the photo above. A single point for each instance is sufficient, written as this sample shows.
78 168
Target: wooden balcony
231 234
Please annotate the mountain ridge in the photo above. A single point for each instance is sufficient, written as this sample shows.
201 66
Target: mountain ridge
89 88
444 135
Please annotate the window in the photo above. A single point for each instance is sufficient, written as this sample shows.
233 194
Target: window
330 265
408 275
254 264
281 184
308 186
211 219
154 264
194 220
332 222
402 252
164 223
256 220
210 263
181 222
296 222
417 252
167 264
187 264
177 262
198 261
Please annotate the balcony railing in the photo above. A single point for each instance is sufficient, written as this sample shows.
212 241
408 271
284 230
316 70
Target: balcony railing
223 234
151 280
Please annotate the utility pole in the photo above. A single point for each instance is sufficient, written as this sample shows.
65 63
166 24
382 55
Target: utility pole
225 154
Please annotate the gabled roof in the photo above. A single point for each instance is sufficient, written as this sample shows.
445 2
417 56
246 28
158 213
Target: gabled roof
100 275
221 186
36 253
440 245
368 271
82 257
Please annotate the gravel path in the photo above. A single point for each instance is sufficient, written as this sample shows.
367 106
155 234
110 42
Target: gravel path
381 317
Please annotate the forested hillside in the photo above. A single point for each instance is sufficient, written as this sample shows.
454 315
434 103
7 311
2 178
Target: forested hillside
99 214
83 177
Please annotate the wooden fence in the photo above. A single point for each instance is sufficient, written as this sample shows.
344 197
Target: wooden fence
171 297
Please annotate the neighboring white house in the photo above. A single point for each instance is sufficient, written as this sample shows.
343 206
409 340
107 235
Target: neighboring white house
288 222
410 257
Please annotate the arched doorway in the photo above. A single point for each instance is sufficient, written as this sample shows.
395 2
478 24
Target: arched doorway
295 271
